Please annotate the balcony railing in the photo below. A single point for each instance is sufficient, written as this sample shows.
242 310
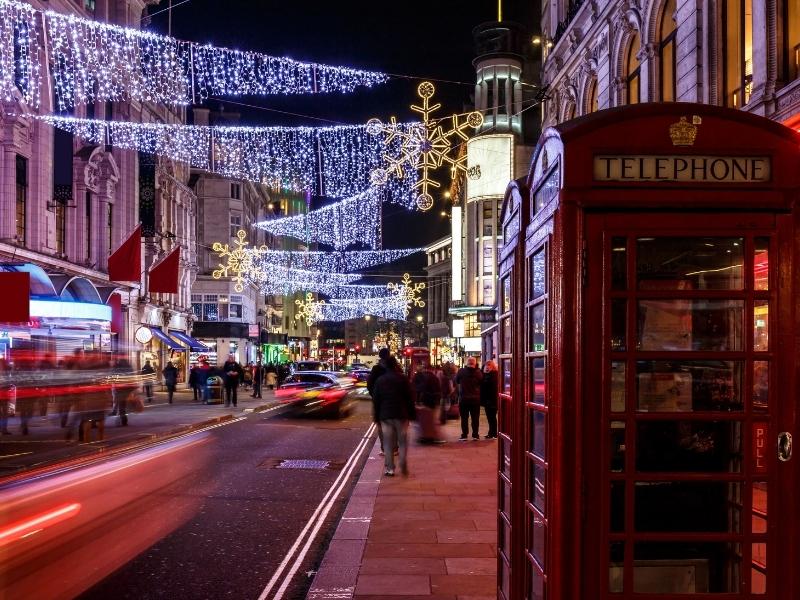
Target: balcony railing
572 12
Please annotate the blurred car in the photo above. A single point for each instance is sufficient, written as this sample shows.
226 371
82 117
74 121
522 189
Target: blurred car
361 376
318 393
309 365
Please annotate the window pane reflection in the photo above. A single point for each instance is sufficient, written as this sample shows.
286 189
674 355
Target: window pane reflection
538 532
759 507
761 326
711 325
617 505
618 343
615 566
538 380
537 275
538 324
701 263
617 446
674 506
686 567
686 385
689 446
760 386
619 264
537 433
761 264
538 473
617 386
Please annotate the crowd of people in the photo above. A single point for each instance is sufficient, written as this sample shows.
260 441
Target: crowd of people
428 398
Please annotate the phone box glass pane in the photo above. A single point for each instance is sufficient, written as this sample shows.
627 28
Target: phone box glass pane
702 325
690 263
689 385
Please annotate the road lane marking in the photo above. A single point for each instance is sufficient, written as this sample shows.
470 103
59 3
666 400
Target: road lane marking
315 521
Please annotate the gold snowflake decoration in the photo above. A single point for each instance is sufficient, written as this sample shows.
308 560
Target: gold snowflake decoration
425 147
407 293
309 309
239 260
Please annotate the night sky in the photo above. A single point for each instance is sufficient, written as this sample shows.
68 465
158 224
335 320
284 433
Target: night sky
414 39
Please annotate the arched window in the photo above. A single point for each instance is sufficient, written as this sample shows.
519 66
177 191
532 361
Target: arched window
591 98
791 28
667 30
632 70
737 51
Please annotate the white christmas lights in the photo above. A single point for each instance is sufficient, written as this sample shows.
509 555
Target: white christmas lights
97 62
330 161
20 68
408 293
339 262
349 222
309 309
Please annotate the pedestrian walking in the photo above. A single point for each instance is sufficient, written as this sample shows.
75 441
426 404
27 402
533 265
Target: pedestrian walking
147 381
247 379
271 376
170 379
448 393
258 376
194 383
203 373
468 380
489 397
394 405
233 375
376 372
429 397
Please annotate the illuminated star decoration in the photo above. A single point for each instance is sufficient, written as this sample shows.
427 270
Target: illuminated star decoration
309 309
425 147
408 292
239 260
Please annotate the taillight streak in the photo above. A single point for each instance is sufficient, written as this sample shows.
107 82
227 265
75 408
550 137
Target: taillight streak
35 524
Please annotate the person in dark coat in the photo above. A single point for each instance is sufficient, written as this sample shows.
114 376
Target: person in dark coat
394 406
194 383
203 373
377 370
429 396
489 397
468 380
148 371
170 373
233 373
258 376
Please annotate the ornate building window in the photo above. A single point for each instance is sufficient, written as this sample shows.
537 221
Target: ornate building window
791 20
22 197
61 227
737 51
633 70
591 98
667 32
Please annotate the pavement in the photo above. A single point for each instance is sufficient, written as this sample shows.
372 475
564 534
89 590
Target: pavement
46 445
432 535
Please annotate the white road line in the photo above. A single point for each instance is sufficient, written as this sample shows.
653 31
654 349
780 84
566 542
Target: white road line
316 520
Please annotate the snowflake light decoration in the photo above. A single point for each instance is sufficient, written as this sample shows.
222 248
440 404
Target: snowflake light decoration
407 293
309 309
239 260
424 147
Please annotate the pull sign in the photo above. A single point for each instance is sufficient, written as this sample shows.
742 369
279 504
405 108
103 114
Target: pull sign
759 448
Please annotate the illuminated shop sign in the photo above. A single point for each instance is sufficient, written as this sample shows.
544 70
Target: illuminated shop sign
70 310
708 169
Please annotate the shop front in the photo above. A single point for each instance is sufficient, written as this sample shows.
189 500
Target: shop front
648 359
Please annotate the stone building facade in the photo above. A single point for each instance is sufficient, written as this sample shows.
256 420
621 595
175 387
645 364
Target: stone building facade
737 53
66 205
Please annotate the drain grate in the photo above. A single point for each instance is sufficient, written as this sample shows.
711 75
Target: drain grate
297 463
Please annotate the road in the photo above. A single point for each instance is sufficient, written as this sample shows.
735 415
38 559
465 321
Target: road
210 515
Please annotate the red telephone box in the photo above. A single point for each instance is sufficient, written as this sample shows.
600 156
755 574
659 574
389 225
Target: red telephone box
648 356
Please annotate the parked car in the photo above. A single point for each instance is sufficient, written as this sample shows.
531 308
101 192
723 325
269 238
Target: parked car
318 393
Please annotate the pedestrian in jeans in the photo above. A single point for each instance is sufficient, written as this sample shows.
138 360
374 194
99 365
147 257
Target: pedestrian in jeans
377 370
258 376
489 397
468 380
234 374
394 405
